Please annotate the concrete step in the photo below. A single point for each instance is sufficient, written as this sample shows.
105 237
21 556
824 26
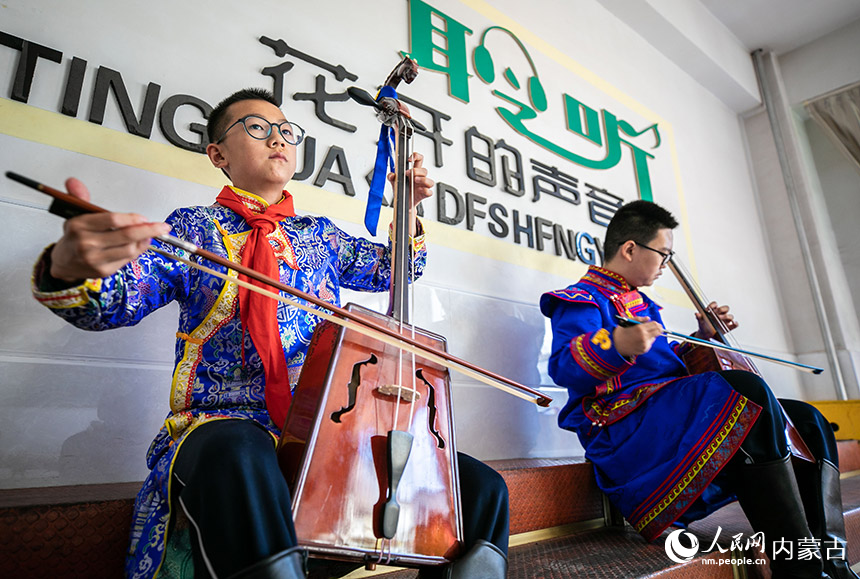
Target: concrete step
577 544
849 456
547 493
559 523
621 553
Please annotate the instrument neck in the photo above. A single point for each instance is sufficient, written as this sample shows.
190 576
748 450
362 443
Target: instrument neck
699 301
401 254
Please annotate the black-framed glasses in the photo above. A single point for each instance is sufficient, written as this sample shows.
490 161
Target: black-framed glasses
666 256
259 128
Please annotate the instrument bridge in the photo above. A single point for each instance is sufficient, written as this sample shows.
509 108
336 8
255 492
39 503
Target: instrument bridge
405 393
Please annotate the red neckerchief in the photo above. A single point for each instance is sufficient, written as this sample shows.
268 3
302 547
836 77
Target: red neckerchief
258 313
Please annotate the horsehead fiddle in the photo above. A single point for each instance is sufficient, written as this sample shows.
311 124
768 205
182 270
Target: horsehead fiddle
368 447
721 354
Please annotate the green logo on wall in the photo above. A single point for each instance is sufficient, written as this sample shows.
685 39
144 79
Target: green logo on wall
436 36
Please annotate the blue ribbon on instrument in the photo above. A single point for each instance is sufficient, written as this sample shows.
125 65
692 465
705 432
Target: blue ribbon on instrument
384 164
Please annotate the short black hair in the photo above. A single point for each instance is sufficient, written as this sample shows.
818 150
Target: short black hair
218 117
638 221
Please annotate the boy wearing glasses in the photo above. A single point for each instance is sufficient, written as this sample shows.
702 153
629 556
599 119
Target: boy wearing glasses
238 354
670 448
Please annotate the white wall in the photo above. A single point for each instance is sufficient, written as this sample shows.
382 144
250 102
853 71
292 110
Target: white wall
828 188
823 65
815 69
82 408
840 184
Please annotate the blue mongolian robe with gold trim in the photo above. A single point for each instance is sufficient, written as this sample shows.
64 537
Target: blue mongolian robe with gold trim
657 437
218 373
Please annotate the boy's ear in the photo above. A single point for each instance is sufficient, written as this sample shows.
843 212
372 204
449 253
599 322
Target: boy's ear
217 159
626 250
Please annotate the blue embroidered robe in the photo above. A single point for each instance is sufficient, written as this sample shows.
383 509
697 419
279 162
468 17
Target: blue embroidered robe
210 380
657 436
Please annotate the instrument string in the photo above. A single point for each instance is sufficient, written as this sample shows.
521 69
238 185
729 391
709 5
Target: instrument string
398 235
700 300
411 279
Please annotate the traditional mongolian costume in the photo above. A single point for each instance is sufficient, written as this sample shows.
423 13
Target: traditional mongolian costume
657 436
661 440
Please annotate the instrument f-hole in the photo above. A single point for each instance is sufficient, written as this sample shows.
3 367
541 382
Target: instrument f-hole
354 383
431 409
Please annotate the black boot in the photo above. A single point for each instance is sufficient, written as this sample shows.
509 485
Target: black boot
822 500
289 564
770 499
483 561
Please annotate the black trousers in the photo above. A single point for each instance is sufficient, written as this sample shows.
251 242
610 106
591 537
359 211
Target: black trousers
766 439
230 487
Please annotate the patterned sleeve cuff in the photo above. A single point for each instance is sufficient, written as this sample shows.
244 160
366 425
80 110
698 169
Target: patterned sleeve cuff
595 353
418 242
55 294
681 349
